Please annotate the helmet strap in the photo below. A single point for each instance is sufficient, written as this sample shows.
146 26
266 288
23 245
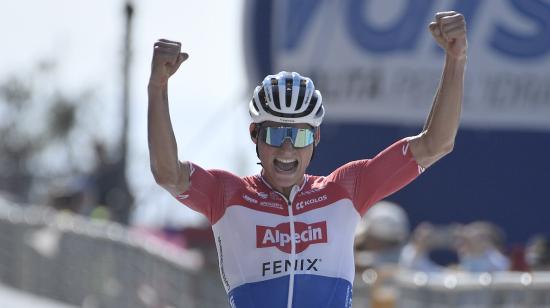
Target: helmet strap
258 154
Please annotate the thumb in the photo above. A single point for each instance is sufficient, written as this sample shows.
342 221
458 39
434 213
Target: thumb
181 58
436 33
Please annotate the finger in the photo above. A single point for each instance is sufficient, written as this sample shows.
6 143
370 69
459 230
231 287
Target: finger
440 15
174 47
449 27
451 19
170 42
455 32
166 54
446 28
457 23
166 50
434 29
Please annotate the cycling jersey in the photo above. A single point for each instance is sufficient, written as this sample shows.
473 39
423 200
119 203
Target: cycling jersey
295 252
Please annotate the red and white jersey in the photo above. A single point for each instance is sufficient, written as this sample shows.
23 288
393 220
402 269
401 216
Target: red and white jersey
296 252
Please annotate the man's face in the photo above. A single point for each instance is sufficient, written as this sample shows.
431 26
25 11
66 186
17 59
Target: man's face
284 166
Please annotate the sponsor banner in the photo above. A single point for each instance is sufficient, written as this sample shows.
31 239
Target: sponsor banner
375 61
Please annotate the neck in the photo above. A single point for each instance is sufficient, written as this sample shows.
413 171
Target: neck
285 191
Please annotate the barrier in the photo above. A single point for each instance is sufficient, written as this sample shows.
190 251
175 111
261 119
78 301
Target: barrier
99 264
499 289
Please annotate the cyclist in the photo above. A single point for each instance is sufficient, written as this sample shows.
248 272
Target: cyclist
285 238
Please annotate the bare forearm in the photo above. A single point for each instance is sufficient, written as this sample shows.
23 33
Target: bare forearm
430 115
163 149
442 123
438 135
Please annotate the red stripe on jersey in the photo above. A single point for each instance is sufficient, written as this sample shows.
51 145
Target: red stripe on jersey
259 201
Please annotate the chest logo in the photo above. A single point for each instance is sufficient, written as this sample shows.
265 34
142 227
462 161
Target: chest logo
313 201
280 236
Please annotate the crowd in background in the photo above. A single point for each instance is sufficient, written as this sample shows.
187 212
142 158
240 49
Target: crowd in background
383 238
384 246
102 193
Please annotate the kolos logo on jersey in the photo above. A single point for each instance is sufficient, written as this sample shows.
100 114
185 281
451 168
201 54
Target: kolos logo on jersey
280 237
302 204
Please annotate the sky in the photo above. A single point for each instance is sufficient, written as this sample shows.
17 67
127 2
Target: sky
208 95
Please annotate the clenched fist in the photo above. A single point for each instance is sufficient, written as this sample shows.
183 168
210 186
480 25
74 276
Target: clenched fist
449 30
167 58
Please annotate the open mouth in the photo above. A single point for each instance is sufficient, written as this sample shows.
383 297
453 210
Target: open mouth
285 165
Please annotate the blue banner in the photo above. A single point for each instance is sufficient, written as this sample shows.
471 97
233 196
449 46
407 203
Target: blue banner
377 67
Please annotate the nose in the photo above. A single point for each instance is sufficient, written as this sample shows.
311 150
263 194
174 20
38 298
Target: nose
287 145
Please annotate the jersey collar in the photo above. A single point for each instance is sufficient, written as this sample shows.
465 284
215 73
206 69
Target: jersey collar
306 177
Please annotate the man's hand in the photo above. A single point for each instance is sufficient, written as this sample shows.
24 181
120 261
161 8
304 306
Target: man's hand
449 30
167 58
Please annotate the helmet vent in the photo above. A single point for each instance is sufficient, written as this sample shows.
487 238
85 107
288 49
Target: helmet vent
288 92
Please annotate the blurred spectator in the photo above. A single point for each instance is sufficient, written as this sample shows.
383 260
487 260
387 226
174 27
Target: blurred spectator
478 246
538 253
517 259
67 195
379 239
380 235
426 238
109 187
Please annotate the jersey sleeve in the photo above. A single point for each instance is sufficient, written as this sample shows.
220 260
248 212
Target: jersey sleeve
205 193
370 180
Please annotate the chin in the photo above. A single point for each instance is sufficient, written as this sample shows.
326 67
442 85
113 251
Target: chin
286 180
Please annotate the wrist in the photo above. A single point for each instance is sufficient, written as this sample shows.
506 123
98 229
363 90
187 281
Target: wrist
157 84
453 59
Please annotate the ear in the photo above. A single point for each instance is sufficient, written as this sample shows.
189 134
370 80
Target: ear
317 135
253 129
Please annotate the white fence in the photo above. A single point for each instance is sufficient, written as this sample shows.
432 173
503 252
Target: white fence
98 264
498 290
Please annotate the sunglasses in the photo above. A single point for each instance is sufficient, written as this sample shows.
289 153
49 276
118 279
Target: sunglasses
276 136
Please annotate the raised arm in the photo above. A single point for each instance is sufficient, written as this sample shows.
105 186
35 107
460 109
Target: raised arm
438 136
168 171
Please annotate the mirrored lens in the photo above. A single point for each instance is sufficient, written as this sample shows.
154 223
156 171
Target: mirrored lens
299 137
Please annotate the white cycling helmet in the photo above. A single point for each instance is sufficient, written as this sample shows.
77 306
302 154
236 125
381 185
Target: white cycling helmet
287 98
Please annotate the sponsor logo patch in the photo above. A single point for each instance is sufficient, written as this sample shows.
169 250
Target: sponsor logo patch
311 191
262 195
274 205
302 204
283 266
250 199
280 237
